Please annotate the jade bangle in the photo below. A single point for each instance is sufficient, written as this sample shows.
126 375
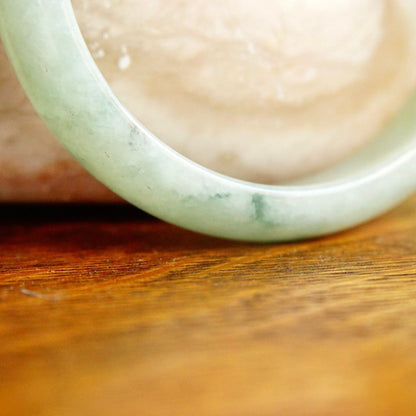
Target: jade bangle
54 66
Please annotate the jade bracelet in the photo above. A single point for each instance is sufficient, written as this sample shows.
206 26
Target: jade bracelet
59 75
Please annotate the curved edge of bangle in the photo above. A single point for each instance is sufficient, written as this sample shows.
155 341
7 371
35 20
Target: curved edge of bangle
61 79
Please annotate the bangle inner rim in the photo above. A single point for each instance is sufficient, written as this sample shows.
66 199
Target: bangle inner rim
396 139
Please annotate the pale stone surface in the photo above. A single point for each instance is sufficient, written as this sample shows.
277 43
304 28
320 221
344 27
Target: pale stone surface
265 91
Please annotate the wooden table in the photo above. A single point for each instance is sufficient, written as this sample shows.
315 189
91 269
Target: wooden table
105 311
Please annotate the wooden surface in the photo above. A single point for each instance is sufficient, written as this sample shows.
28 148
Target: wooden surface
104 311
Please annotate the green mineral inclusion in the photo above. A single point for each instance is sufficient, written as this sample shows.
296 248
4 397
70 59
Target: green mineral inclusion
68 91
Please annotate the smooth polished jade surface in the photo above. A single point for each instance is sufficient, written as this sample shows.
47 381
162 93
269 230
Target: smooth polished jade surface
61 79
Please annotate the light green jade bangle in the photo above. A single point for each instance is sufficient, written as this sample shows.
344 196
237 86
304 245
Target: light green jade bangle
60 77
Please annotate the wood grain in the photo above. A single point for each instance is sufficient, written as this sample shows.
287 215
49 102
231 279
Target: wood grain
105 311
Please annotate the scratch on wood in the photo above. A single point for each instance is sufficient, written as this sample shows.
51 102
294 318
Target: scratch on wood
38 295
